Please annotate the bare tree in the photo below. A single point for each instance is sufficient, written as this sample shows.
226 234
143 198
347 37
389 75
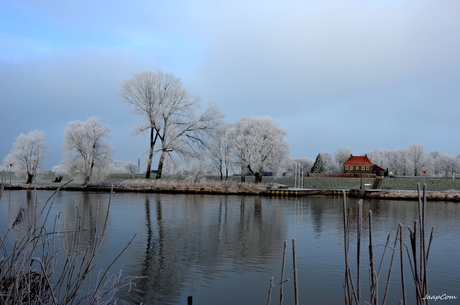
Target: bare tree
380 157
88 154
399 162
330 165
132 168
27 154
417 157
169 115
447 164
294 165
259 145
341 155
219 150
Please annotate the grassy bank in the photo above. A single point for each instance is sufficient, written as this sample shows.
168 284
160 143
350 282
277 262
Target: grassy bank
392 188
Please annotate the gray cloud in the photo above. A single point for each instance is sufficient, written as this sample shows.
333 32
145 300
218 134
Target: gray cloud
363 75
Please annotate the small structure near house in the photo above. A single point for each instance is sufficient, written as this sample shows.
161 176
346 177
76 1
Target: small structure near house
359 165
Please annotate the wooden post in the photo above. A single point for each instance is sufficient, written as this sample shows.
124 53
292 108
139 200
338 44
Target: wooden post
190 300
294 266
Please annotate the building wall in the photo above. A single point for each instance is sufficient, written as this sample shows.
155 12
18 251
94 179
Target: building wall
358 169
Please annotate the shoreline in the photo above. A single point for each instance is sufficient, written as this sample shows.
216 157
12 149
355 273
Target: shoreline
271 190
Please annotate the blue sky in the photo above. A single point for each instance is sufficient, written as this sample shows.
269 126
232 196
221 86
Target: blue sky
359 74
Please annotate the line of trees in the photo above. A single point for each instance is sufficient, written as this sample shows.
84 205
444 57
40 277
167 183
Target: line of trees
178 134
412 161
186 140
28 153
87 152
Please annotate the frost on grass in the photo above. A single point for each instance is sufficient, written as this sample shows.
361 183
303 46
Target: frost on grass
203 185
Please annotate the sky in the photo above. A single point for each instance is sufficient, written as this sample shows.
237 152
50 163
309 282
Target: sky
365 75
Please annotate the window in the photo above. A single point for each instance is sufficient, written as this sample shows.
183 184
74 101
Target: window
346 167
363 167
367 168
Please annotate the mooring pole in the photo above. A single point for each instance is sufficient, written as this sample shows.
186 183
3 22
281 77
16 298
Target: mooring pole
190 300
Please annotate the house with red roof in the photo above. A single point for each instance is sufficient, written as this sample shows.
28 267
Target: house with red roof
357 165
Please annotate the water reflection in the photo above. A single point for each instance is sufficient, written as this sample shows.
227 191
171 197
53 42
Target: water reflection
84 219
224 249
200 238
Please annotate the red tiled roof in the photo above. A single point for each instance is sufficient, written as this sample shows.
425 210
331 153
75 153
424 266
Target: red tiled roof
358 160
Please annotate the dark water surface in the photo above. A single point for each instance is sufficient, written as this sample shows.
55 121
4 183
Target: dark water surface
225 249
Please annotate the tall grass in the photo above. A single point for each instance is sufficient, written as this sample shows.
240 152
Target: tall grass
417 255
202 185
47 264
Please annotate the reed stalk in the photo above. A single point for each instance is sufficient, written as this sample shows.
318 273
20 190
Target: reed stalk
282 281
373 284
419 261
282 273
36 270
294 267
417 253
358 250
348 281
401 259
270 291
387 286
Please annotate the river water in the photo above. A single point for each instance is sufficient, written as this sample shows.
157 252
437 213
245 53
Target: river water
225 249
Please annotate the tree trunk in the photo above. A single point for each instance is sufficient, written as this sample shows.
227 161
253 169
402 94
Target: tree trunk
257 175
160 164
149 162
85 181
88 175
257 178
30 178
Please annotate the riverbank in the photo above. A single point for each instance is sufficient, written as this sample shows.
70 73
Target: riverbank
155 186
452 195
401 188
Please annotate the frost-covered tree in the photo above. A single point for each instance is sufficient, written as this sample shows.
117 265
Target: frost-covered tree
87 152
381 157
434 163
169 115
447 164
120 167
417 157
400 161
259 145
219 150
294 165
330 165
59 172
341 155
131 168
28 153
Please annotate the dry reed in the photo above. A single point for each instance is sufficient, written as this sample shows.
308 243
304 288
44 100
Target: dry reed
49 266
282 281
417 255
